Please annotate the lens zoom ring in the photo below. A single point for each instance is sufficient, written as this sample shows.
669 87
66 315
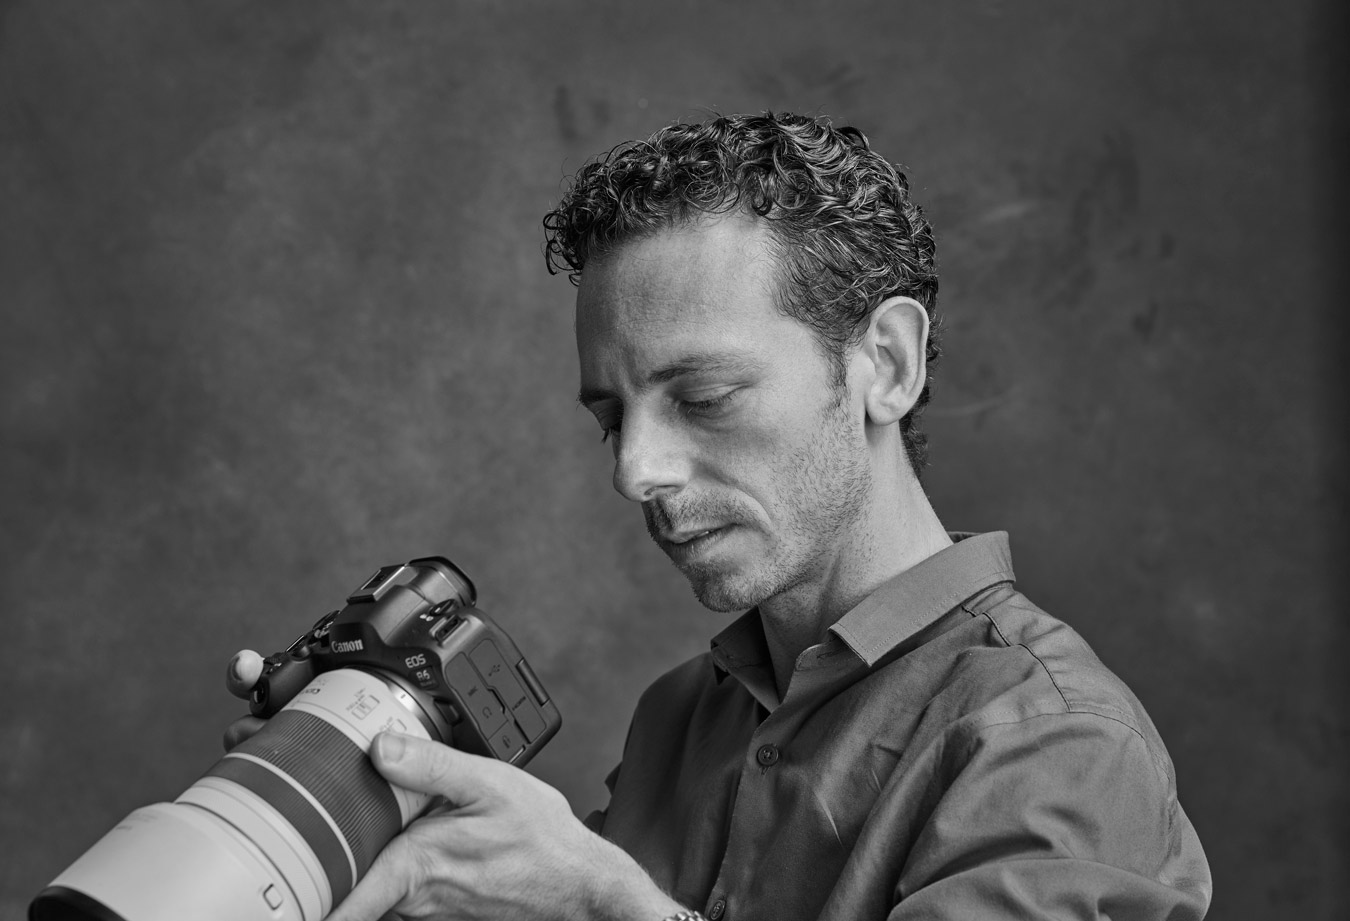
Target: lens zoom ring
337 773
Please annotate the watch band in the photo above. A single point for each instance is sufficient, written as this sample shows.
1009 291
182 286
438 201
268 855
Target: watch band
685 916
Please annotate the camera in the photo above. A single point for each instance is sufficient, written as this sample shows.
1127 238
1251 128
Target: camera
283 826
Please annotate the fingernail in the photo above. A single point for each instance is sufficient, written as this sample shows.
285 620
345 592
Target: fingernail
390 747
234 669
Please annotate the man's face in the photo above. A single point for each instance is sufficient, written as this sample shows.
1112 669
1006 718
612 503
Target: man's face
749 464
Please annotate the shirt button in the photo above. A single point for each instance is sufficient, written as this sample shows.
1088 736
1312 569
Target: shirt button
717 909
767 755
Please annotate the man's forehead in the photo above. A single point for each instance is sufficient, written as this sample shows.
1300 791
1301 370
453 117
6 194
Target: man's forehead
688 274
657 339
694 297
615 306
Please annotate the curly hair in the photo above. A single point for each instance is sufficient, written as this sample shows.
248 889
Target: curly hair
840 220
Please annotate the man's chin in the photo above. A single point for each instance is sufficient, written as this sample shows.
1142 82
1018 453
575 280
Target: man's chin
725 575
722 592
722 603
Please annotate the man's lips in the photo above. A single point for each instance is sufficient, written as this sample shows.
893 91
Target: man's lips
686 535
688 544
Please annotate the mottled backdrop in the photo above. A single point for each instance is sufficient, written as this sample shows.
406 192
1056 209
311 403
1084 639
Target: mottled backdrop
275 311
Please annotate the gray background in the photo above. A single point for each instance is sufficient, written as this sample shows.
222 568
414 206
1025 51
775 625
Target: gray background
275 312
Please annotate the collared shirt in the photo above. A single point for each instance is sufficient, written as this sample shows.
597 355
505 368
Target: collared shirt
950 751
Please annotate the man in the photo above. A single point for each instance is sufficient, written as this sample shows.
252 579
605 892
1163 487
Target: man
891 730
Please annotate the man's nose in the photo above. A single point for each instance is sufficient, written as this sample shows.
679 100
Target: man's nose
649 460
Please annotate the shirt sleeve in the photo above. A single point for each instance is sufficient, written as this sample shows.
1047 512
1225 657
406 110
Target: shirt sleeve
1064 816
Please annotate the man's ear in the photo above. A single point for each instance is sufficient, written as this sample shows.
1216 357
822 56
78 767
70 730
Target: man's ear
896 346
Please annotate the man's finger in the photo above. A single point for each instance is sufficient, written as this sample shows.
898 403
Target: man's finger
243 672
430 767
241 729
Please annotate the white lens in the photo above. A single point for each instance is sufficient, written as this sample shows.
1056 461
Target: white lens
280 829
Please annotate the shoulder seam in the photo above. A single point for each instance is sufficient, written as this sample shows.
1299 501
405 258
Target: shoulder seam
1082 707
1053 683
1072 706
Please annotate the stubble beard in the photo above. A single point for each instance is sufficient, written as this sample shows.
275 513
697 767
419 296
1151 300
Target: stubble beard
827 486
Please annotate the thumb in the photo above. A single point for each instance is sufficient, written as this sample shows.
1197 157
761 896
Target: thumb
430 767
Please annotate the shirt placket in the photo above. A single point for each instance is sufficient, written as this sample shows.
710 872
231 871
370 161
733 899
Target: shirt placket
767 756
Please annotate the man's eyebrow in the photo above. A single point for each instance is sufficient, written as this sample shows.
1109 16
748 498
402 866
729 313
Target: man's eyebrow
714 362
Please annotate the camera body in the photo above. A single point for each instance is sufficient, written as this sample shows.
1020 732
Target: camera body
285 824
417 624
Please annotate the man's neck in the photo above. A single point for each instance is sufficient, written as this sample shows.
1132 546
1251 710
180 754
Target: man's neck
888 544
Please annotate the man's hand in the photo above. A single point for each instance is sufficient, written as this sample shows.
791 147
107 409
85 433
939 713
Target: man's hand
505 846
242 673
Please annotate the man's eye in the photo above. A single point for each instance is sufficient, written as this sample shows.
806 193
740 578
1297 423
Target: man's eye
610 423
709 407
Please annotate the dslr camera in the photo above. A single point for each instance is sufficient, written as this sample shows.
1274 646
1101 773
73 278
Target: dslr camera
283 826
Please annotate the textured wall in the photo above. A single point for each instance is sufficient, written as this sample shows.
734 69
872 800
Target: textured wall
274 312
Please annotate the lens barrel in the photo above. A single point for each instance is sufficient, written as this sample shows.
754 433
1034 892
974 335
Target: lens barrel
280 829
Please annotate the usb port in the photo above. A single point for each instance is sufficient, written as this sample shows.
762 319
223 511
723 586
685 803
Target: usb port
444 628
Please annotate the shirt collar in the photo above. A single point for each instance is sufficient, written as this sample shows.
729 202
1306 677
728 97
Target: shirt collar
898 609
906 604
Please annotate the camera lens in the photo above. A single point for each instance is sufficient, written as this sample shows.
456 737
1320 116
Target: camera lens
282 827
